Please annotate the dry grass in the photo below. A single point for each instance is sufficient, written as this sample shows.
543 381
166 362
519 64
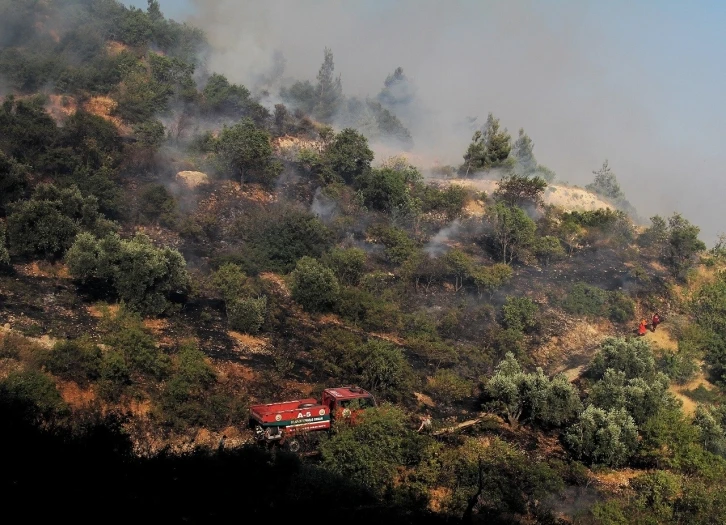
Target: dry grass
103 107
114 48
565 197
74 395
193 179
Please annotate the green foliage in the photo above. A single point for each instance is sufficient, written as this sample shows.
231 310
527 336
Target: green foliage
520 313
490 278
492 478
633 357
683 245
156 204
655 237
367 310
348 156
603 437
669 439
383 368
314 286
489 148
449 200
4 254
277 239
140 274
184 399
398 244
642 399
458 264
517 190
513 231
621 308
547 249
710 420
656 495
115 375
150 135
447 386
347 263
127 335
46 225
371 451
245 152
680 366
232 100
230 281
35 394
247 314
329 90
386 190
606 183
584 299
533 396
588 300
76 360
13 181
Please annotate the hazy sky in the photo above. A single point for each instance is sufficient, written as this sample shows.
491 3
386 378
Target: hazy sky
637 82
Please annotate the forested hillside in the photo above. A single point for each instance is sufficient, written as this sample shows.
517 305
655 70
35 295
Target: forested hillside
175 247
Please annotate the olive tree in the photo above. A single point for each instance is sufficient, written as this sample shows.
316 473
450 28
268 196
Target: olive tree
141 274
533 396
608 437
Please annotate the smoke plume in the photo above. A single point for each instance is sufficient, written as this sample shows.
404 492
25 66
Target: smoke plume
580 78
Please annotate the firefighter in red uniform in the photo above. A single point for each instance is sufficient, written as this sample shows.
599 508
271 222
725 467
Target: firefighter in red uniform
655 321
643 327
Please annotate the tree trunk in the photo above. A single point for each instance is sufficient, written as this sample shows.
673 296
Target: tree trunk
471 503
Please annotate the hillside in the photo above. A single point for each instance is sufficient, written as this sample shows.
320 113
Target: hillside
175 248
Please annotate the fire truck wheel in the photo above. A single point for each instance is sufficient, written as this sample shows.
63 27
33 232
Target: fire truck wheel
293 445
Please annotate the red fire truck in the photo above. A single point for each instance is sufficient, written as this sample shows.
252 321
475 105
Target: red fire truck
287 422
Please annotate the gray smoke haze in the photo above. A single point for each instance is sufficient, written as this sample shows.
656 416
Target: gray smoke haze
579 77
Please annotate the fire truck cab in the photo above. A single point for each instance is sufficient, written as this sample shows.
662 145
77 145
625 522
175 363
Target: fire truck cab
342 401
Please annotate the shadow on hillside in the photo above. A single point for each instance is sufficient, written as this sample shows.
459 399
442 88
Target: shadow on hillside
90 476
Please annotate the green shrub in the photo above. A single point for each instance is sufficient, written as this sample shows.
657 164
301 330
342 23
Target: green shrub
314 286
247 314
520 313
398 245
368 311
156 204
127 335
584 299
621 307
447 386
231 281
76 360
141 274
115 375
348 264
33 393
382 367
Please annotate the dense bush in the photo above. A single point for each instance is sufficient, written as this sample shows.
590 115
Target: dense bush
35 394
314 286
47 224
76 360
276 239
603 437
139 273
247 314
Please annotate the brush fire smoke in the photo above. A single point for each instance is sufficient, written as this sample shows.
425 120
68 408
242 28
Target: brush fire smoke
577 76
